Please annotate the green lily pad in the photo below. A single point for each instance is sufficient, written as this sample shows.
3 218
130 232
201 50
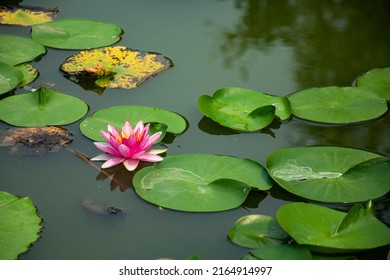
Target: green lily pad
116 67
331 231
376 80
76 34
200 182
30 73
243 109
42 107
26 16
282 252
337 105
19 225
255 231
330 174
16 49
10 77
118 115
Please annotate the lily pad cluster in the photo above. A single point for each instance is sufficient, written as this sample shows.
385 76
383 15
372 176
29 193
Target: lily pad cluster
306 231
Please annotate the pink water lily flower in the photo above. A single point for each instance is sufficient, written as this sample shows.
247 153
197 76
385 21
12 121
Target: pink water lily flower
129 146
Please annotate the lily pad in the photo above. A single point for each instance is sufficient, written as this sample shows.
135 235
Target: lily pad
30 73
116 67
42 107
200 182
35 140
117 116
255 231
330 174
26 16
19 225
332 231
16 49
243 109
10 77
76 33
337 105
376 80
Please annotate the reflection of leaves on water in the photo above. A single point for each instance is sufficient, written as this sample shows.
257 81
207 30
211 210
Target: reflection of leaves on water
35 140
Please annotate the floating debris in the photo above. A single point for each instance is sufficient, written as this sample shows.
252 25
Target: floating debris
98 207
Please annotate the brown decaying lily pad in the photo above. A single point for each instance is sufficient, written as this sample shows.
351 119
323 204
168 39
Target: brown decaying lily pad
35 140
26 15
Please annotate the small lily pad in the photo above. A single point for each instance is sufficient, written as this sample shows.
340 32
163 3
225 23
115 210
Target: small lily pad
330 174
255 231
200 182
376 80
331 231
35 140
16 49
243 109
76 33
337 105
42 107
30 73
10 77
19 225
26 16
164 120
116 67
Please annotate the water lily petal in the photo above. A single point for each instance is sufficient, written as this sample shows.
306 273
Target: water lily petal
125 151
150 157
127 129
105 147
113 161
157 151
139 127
151 140
102 157
131 164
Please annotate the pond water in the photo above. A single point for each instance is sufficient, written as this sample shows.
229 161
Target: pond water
276 47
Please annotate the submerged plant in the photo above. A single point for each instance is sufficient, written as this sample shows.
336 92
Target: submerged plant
129 146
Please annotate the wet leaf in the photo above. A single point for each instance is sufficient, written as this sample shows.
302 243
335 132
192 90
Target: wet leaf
26 16
19 225
116 67
35 140
377 80
76 34
16 49
42 107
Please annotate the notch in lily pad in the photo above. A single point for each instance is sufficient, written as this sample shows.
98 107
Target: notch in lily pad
42 107
160 120
115 67
76 33
200 182
337 105
243 109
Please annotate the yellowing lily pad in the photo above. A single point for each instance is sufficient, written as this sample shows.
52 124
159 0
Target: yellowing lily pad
116 67
30 73
26 16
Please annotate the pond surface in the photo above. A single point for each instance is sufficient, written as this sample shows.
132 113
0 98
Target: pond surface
276 47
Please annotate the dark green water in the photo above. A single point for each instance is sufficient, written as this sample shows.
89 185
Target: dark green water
276 47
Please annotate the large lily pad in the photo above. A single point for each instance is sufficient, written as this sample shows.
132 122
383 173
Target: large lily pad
243 109
19 225
330 174
328 230
42 107
116 67
76 33
255 231
16 49
10 77
200 182
26 16
118 115
337 105
376 80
